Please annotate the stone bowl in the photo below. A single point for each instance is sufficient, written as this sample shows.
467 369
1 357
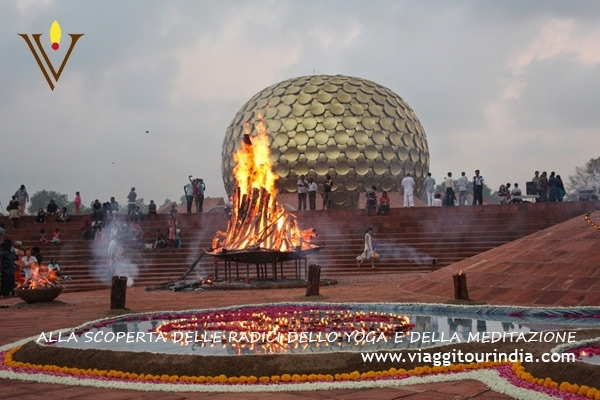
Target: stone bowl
39 295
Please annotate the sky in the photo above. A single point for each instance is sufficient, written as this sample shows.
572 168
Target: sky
506 87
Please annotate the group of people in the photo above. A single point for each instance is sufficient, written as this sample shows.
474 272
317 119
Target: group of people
549 189
194 194
309 187
461 185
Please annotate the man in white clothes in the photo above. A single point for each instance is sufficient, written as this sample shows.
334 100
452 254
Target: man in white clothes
430 189
408 183
463 187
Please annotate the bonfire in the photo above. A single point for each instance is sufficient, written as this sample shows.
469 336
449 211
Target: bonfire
258 222
42 286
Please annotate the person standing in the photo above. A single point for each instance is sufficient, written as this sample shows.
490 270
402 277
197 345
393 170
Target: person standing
13 211
302 189
188 190
477 188
131 201
537 184
368 251
201 189
430 189
23 198
327 193
77 203
553 187
561 188
7 269
449 184
463 189
312 194
408 183
544 185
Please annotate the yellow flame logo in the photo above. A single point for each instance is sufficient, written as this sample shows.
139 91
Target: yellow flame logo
55 35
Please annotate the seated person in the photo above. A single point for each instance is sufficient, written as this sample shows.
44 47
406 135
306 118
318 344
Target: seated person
384 204
53 266
86 230
97 209
113 208
502 193
43 238
516 192
52 208
437 201
152 208
136 215
371 198
63 215
55 237
40 217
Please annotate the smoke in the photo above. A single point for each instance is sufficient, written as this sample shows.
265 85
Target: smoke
111 254
404 252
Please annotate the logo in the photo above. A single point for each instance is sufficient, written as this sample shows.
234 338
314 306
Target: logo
55 34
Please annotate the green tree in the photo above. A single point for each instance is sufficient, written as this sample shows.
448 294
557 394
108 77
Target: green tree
42 198
585 177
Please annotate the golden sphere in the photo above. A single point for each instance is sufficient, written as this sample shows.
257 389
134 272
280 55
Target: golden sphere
360 133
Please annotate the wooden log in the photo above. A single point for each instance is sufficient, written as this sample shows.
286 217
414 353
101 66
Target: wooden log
460 287
313 280
118 292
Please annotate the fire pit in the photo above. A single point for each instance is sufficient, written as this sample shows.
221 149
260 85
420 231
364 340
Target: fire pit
41 287
259 231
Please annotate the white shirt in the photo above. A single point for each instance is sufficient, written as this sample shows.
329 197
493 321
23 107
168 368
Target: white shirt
302 186
463 183
408 183
312 187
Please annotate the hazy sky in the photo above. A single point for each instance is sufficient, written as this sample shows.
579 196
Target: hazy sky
506 87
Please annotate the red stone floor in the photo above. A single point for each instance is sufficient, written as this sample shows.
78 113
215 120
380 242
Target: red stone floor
21 320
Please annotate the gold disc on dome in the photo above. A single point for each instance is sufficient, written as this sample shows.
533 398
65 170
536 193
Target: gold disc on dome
362 168
374 109
343 97
309 123
339 197
388 153
283 111
332 152
369 123
400 125
390 110
293 89
330 123
274 125
311 153
301 138
379 138
291 154
351 183
419 170
310 88
324 97
281 170
337 80
361 137
282 138
379 99
251 105
342 167
371 152
301 168
321 168
409 168
262 103
362 98
321 137
387 184
352 152
270 112
316 81
401 112
331 162
366 88
402 154
349 88
288 99
317 108
409 140
349 122
410 126
341 137
304 98
279 91
290 124
337 109
379 167
298 110
414 155
357 109
371 181
290 185
329 87
396 168
386 123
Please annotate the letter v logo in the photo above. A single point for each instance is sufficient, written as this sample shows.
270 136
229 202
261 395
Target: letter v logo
55 39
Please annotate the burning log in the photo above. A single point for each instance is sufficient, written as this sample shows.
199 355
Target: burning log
42 286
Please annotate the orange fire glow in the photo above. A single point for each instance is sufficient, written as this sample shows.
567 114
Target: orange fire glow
41 276
257 220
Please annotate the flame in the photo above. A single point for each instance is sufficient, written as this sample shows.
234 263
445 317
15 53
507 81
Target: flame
460 272
55 32
257 220
41 276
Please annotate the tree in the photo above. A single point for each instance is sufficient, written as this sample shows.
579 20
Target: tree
42 198
166 202
585 177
